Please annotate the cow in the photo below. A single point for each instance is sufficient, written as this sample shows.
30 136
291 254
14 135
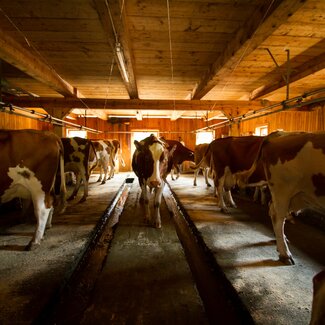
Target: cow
199 153
115 156
294 165
318 306
79 158
228 157
108 152
151 162
30 160
180 155
104 151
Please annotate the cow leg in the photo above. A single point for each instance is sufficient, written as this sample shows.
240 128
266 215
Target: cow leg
172 174
157 203
277 212
42 214
105 168
229 198
256 193
178 172
145 199
85 182
218 183
205 172
196 172
76 187
100 173
111 168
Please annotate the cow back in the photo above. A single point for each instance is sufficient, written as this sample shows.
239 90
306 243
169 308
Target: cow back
39 151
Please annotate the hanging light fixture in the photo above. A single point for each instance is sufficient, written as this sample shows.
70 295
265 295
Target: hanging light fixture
121 61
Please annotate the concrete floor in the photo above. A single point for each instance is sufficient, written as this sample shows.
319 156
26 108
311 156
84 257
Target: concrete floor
243 245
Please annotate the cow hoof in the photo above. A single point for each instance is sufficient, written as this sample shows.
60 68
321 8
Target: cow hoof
82 200
158 226
32 246
286 260
103 182
208 185
194 185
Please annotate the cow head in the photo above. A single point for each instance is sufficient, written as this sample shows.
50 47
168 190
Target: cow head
150 161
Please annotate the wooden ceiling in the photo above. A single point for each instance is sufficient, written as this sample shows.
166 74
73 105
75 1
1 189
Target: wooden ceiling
183 58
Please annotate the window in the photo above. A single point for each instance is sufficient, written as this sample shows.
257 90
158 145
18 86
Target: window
262 130
204 137
76 133
140 135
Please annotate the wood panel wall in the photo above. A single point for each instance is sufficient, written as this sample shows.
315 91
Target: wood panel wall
289 121
307 121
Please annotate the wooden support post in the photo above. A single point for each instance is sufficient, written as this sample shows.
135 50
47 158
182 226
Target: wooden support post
61 114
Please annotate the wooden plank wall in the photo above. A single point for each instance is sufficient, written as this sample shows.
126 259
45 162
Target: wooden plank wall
10 121
288 121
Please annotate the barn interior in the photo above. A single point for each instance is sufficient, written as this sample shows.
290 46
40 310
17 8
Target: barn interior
186 70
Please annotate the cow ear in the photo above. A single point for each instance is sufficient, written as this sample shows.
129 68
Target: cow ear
137 144
172 150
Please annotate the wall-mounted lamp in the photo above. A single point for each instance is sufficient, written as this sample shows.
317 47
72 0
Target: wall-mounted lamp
121 61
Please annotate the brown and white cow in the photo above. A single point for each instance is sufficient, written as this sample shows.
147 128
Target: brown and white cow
199 154
116 156
180 155
104 151
79 158
108 153
229 157
30 160
294 165
318 306
151 162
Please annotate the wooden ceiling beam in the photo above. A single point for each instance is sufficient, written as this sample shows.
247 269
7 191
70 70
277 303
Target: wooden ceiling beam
33 65
247 39
302 71
116 31
134 104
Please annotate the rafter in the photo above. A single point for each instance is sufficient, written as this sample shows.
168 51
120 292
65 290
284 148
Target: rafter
247 39
304 70
18 56
109 27
135 104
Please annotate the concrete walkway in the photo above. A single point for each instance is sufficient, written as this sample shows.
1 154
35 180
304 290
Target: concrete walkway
146 279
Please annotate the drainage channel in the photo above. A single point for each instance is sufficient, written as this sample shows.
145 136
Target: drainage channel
221 301
75 291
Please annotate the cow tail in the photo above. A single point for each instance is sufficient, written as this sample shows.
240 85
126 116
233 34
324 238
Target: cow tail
202 160
242 177
95 153
63 189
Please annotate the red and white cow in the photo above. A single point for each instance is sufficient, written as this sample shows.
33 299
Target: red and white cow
318 307
199 153
116 156
30 160
294 165
180 155
79 158
230 156
108 153
104 151
151 162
